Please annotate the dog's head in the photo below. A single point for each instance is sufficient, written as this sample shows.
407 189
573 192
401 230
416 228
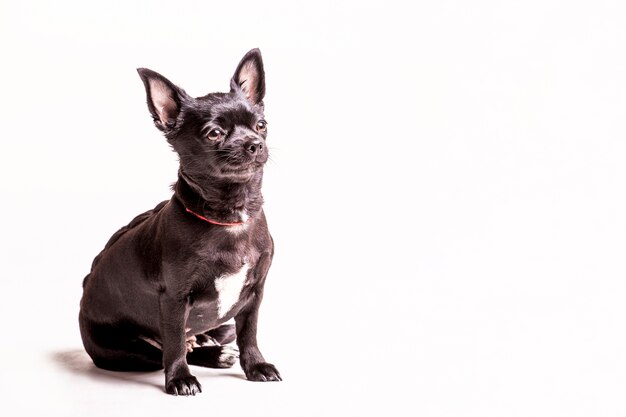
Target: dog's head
220 136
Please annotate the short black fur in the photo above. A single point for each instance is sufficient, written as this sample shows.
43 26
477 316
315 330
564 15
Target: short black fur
161 291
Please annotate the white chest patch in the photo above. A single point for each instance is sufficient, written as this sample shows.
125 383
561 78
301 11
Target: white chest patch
228 289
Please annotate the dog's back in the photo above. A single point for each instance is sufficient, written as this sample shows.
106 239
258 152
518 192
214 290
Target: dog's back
135 222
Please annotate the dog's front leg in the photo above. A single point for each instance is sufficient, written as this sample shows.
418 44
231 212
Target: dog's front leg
250 357
173 316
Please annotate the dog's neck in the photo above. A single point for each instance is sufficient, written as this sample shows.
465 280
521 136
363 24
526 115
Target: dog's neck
221 201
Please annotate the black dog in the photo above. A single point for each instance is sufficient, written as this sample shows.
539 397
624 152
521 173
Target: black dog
159 293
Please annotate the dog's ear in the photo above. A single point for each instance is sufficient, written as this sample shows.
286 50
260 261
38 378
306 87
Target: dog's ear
249 77
164 98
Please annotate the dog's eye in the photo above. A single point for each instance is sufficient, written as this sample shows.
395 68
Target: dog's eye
261 126
216 134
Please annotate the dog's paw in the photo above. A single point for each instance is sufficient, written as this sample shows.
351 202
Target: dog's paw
263 372
228 357
204 339
187 385
191 343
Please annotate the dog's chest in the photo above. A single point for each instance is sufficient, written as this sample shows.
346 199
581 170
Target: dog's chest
228 288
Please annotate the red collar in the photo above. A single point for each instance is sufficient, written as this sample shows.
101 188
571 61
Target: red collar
213 221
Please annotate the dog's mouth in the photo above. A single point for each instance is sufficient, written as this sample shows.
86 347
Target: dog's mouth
242 165
228 166
249 169
240 171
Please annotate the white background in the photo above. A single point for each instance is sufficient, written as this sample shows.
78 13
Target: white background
446 192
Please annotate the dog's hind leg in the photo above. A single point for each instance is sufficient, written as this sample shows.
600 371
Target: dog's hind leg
213 356
140 357
115 349
205 349
221 335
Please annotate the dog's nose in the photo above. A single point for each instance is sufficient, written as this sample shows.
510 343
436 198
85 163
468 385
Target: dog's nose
254 146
